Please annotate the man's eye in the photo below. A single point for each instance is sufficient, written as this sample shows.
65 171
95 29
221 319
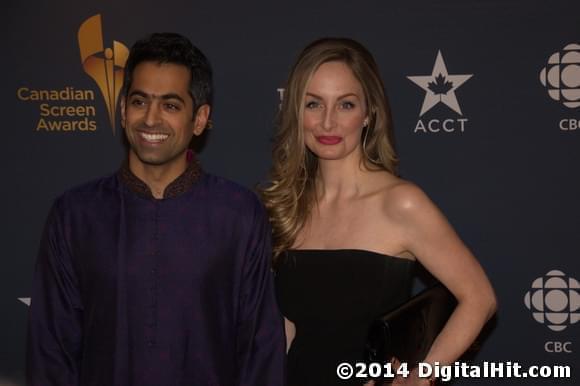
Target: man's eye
137 102
171 106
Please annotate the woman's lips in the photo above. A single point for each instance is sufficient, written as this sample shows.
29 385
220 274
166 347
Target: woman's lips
328 139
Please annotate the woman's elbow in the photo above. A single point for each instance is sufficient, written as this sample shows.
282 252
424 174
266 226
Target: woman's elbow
483 302
490 303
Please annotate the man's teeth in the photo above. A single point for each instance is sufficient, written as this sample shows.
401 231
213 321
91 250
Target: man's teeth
154 137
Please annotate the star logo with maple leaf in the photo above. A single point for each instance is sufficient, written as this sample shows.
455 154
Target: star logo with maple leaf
440 86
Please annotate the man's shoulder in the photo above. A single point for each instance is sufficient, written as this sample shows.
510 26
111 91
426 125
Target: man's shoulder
228 191
90 190
221 185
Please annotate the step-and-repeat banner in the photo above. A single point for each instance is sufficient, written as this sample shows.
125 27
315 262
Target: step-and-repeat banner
486 106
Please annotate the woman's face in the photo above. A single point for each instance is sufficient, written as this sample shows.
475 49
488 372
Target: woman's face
334 113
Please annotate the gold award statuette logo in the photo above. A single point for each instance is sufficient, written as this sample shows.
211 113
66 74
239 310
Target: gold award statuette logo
68 109
104 65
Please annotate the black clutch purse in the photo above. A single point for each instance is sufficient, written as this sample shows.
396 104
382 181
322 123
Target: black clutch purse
407 332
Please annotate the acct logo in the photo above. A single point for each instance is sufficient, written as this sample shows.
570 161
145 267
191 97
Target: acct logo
68 109
554 300
440 88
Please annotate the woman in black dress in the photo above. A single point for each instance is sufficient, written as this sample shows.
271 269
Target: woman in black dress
346 229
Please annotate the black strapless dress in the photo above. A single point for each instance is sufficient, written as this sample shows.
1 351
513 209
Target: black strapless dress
332 296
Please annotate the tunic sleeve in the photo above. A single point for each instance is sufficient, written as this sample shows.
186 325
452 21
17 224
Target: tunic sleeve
54 326
260 342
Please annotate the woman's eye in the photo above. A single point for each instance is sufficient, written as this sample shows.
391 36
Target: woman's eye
347 105
312 105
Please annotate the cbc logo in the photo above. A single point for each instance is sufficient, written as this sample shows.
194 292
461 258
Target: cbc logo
561 76
558 347
569 124
554 300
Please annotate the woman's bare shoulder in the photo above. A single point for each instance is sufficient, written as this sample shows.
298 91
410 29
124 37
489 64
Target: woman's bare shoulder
400 197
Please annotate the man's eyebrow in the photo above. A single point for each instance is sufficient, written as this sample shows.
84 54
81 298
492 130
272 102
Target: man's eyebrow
150 96
138 93
172 96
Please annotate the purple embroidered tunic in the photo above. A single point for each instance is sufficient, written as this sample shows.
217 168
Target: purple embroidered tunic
132 290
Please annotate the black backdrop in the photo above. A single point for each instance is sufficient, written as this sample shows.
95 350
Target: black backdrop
504 169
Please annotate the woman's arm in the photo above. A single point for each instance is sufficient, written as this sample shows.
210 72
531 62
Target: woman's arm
290 330
431 239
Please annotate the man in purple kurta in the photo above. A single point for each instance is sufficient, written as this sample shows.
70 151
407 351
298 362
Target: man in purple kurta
160 273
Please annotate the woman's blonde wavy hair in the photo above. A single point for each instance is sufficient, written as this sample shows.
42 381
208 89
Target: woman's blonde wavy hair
291 193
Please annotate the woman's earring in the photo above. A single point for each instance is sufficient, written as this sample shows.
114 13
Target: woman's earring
366 128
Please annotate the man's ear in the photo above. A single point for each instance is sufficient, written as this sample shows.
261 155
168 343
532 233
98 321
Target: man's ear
201 119
123 105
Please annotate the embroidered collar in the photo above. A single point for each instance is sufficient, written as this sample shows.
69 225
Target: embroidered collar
177 187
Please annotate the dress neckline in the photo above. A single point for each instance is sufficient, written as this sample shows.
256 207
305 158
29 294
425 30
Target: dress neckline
348 250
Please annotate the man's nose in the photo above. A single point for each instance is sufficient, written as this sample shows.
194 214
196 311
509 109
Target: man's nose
153 114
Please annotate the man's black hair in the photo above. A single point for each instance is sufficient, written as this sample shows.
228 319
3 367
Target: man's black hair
176 49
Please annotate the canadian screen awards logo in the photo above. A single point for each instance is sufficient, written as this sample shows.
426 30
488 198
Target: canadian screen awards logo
69 109
440 88
554 300
104 65
561 78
